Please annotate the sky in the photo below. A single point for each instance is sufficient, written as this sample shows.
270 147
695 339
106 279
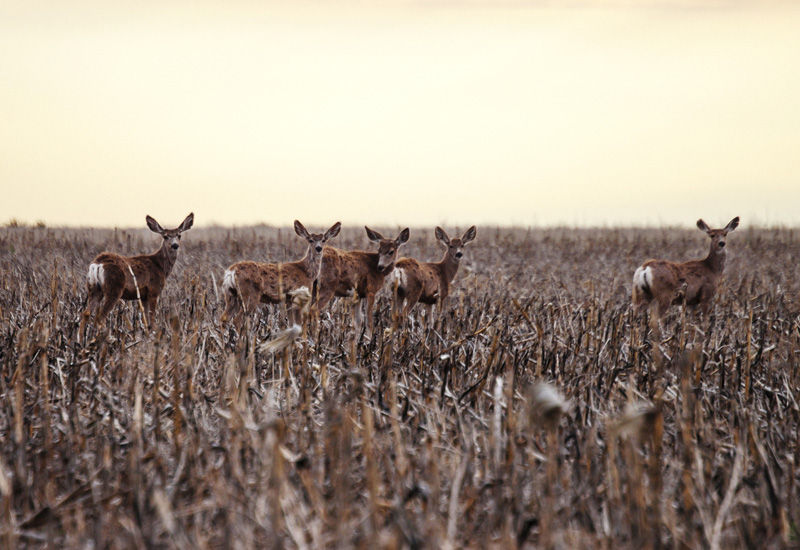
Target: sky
400 113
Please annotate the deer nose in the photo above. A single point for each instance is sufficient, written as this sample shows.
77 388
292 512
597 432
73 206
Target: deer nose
458 255
174 246
722 244
319 248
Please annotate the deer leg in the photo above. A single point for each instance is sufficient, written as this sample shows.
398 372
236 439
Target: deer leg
413 299
112 296
233 308
113 287
397 304
92 303
152 302
358 308
370 305
324 296
704 308
250 304
656 310
429 320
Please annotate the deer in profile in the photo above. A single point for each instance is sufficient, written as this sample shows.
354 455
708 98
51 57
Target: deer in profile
429 282
142 278
661 283
363 273
248 284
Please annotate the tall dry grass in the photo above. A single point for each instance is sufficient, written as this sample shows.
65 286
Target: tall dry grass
418 435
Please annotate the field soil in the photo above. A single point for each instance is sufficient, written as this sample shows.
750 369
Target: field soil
537 409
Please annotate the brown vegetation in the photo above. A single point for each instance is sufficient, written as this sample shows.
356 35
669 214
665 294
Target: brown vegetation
436 435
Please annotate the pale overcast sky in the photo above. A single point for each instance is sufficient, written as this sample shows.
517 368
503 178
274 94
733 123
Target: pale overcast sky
400 113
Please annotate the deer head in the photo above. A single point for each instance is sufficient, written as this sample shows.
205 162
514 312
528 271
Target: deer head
455 246
316 241
717 236
387 248
172 237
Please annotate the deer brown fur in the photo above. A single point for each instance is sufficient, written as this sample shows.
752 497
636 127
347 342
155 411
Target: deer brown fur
363 273
248 284
429 282
112 276
661 283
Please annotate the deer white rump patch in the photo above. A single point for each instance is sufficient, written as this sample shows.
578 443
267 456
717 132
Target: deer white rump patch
96 275
398 277
643 278
229 280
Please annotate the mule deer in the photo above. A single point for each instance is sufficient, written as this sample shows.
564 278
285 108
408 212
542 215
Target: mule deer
664 283
247 284
344 273
142 278
429 282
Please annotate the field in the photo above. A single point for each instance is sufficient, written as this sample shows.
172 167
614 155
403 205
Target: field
423 435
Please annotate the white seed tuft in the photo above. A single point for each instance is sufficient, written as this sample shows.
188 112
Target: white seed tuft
546 405
282 340
301 299
636 422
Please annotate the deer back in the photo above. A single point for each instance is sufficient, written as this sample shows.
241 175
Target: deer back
267 282
344 272
131 272
418 279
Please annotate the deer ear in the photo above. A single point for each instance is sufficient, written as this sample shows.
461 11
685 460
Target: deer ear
333 231
402 238
373 236
186 225
301 230
441 236
702 226
153 225
469 235
733 224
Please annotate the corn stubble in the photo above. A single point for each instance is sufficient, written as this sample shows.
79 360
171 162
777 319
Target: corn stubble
536 412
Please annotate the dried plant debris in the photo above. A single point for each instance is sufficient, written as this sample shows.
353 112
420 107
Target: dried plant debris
546 405
429 432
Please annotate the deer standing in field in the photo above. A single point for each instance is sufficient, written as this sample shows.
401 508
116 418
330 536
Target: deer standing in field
344 273
429 283
248 284
142 278
663 283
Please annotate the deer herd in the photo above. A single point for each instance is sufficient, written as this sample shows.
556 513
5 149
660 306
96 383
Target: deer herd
326 272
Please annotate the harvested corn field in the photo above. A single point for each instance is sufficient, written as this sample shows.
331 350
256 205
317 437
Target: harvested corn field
431 431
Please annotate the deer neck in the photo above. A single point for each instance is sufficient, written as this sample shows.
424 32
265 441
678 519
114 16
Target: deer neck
165 258
448 267
716 259
312 263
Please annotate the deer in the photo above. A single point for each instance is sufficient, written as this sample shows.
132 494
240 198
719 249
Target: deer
661 283
112 276
344 274
428 282
248 284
